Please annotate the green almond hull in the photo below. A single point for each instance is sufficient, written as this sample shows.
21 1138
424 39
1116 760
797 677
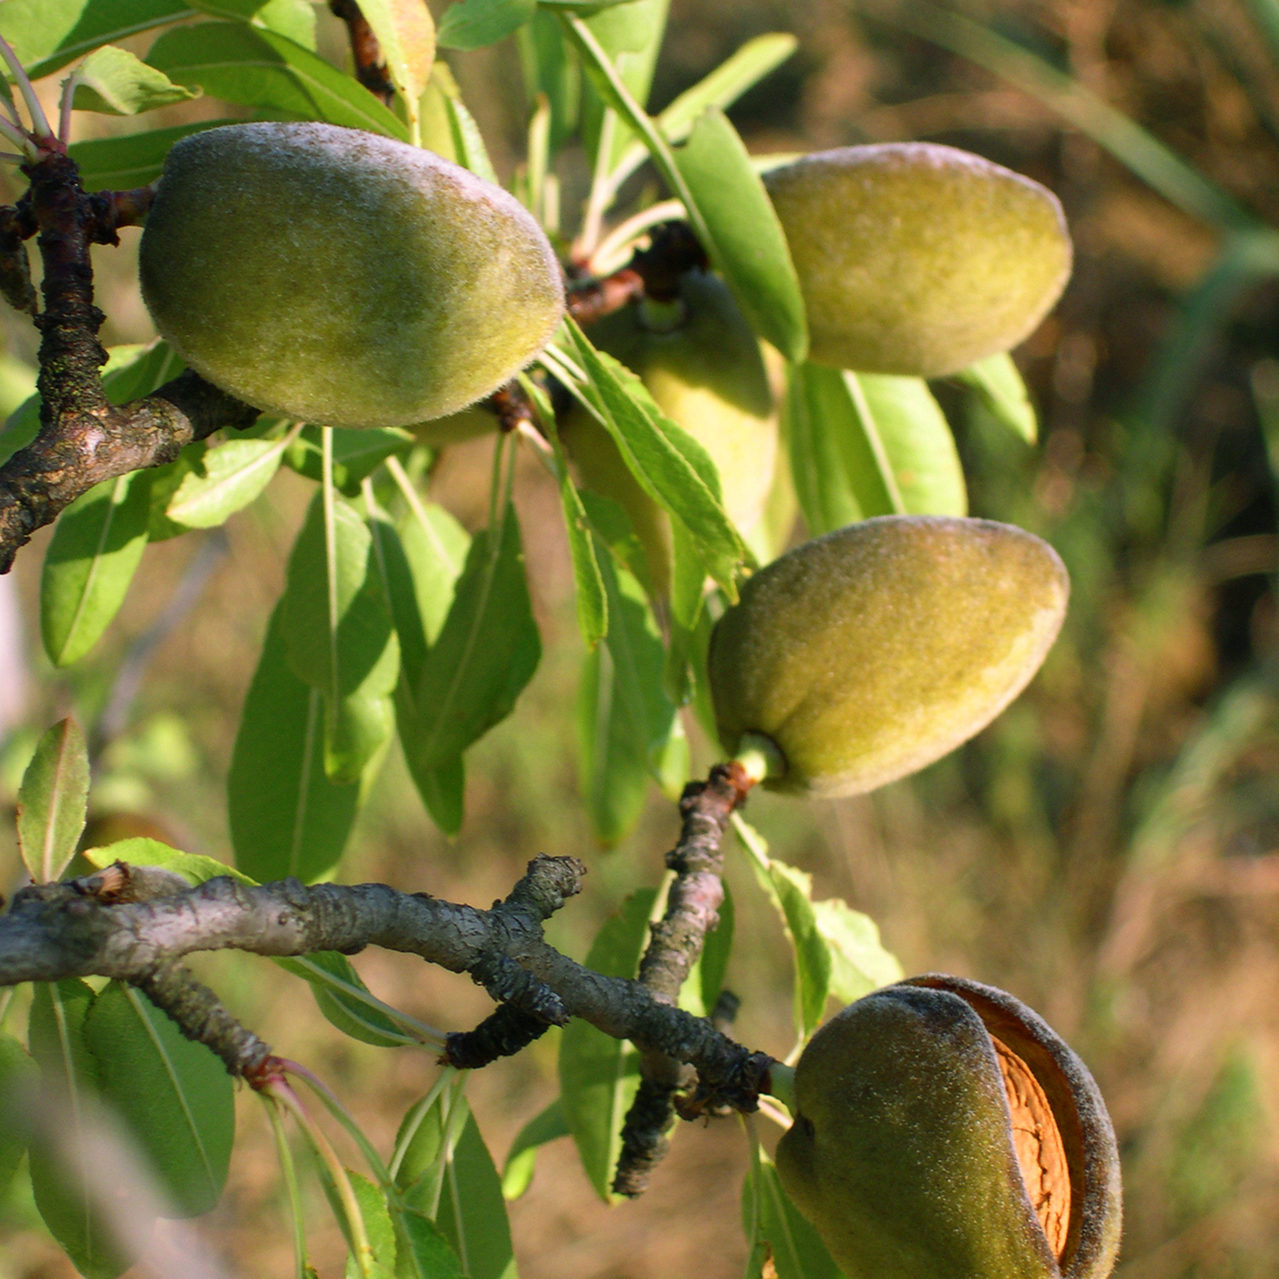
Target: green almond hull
869 653
915 258
341 277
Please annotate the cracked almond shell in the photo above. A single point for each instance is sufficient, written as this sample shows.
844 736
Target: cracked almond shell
916 258
944 1131
866 654
342 277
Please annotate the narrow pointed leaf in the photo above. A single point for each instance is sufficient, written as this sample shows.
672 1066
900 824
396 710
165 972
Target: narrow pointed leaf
48 34
420 564
270 73
345 1000
286 816
52 802
175 1097
230 477
292 18
337 626
448 1175
599 1074
196 868
95 549
794 1245
791 892
486 652
625 720
913 434
1000 387
424 1253
114 81
378 1261
670 465
356 453
859 963
546 1126
472 24
747 244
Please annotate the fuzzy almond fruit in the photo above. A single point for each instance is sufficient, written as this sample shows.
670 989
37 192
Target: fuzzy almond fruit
916 258
944 1131
866 654
701 362
345 278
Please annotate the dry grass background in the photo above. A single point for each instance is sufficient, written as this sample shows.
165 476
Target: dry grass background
1108 851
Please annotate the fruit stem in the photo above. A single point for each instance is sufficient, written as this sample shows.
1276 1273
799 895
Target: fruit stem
760 757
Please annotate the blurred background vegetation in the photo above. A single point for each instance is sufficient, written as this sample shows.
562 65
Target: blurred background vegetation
1108 850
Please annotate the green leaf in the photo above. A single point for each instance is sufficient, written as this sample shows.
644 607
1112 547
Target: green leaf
424 1253
175 1096
906 424
270 73
589 590
670 465
599 1074
96 546
717 950
228 479
337 624
76 1196
47 34
292 18
795 1246
472 24
464 134
447 1174
868 444
117 164
747 243
405 33
345 1000
378 1260
546 1126
420 565
114 81
858 961
286 816
625 720
140 851
742 70
486 652
52 802
19 1077
791 891
356 453
999 386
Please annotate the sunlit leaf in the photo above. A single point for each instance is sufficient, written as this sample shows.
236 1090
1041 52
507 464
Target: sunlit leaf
96 547
52 802
47 34
228 479
747 243
113 81
270 73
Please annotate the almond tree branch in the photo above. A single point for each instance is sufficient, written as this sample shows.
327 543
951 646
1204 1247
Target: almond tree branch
692 910
53 931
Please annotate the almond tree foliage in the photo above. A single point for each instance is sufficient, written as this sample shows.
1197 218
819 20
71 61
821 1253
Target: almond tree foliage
396 624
